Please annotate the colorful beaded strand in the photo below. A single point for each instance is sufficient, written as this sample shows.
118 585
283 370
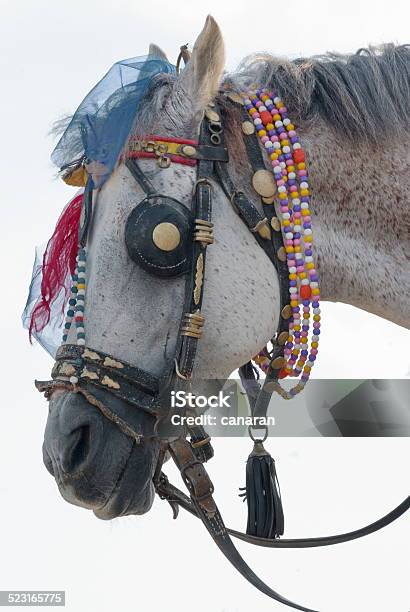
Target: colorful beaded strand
76 303
278 135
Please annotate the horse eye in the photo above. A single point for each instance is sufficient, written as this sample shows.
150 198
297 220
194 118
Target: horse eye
158 236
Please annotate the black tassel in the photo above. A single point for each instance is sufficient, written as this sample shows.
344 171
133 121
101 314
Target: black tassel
262 493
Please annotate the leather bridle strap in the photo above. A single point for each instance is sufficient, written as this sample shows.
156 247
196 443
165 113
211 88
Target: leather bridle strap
204 507
176 497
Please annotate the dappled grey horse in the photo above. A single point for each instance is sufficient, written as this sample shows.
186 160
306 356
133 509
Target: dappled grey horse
352 114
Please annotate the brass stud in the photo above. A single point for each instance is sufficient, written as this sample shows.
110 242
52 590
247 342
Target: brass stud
264 183
235 97
248 128
212 115
281 253
188 150
268 200
166 236
278 363
282 338
286 311
275 223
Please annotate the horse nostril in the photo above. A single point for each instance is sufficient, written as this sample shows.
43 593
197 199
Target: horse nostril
76 449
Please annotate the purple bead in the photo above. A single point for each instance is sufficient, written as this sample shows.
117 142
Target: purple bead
296 208
306 225
272 132
305 302
289 255
308 252
297 334
289 345
296 235
314 278
260 127
288 155
305 327
315 304
304 377
293 392
294 139
292 283
248 106
295 309
304 352
304 199
291 182
312 357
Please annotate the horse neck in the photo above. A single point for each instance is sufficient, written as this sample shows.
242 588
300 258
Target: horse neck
360 217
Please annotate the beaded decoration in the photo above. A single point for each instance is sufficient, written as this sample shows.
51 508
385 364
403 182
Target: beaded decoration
76 303
277 134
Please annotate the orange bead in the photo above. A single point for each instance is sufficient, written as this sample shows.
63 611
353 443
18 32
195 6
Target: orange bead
305 292
266 117
283 373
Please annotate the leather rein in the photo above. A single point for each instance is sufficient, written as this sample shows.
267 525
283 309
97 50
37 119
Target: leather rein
90 368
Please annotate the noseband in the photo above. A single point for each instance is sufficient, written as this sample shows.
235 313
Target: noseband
167 239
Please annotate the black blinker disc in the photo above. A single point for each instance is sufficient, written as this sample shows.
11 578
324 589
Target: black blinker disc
158 236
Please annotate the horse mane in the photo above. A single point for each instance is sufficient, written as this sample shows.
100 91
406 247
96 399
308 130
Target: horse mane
361 95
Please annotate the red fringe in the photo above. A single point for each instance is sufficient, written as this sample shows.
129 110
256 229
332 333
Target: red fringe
58 259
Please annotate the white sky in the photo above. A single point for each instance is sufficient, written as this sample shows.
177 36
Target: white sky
51 54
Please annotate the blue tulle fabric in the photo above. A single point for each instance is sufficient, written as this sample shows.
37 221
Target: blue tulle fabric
98 132
103 121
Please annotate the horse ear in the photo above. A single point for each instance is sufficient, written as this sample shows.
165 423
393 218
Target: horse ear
157 52
200 79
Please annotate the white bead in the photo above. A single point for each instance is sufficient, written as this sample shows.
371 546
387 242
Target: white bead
304 185
282 189
293 290
278 123
286 121
314 284
297 347
305 281
81 292
247 101
80 341
268 144
304 205
268 102
282 165
309 259
286 149
257 121
297 228
292 175
81 275
288 235
310 363
292 270
296 201
276 100
308 231
296 146
315 338
316 310
285 215
276 145
262 108
73 380
277 170
298 255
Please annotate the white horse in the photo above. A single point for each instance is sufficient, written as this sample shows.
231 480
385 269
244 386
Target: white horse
352 122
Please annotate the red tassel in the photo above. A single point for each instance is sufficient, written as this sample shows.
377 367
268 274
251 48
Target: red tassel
59 259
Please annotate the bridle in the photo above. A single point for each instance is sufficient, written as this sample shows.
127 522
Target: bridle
180 238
